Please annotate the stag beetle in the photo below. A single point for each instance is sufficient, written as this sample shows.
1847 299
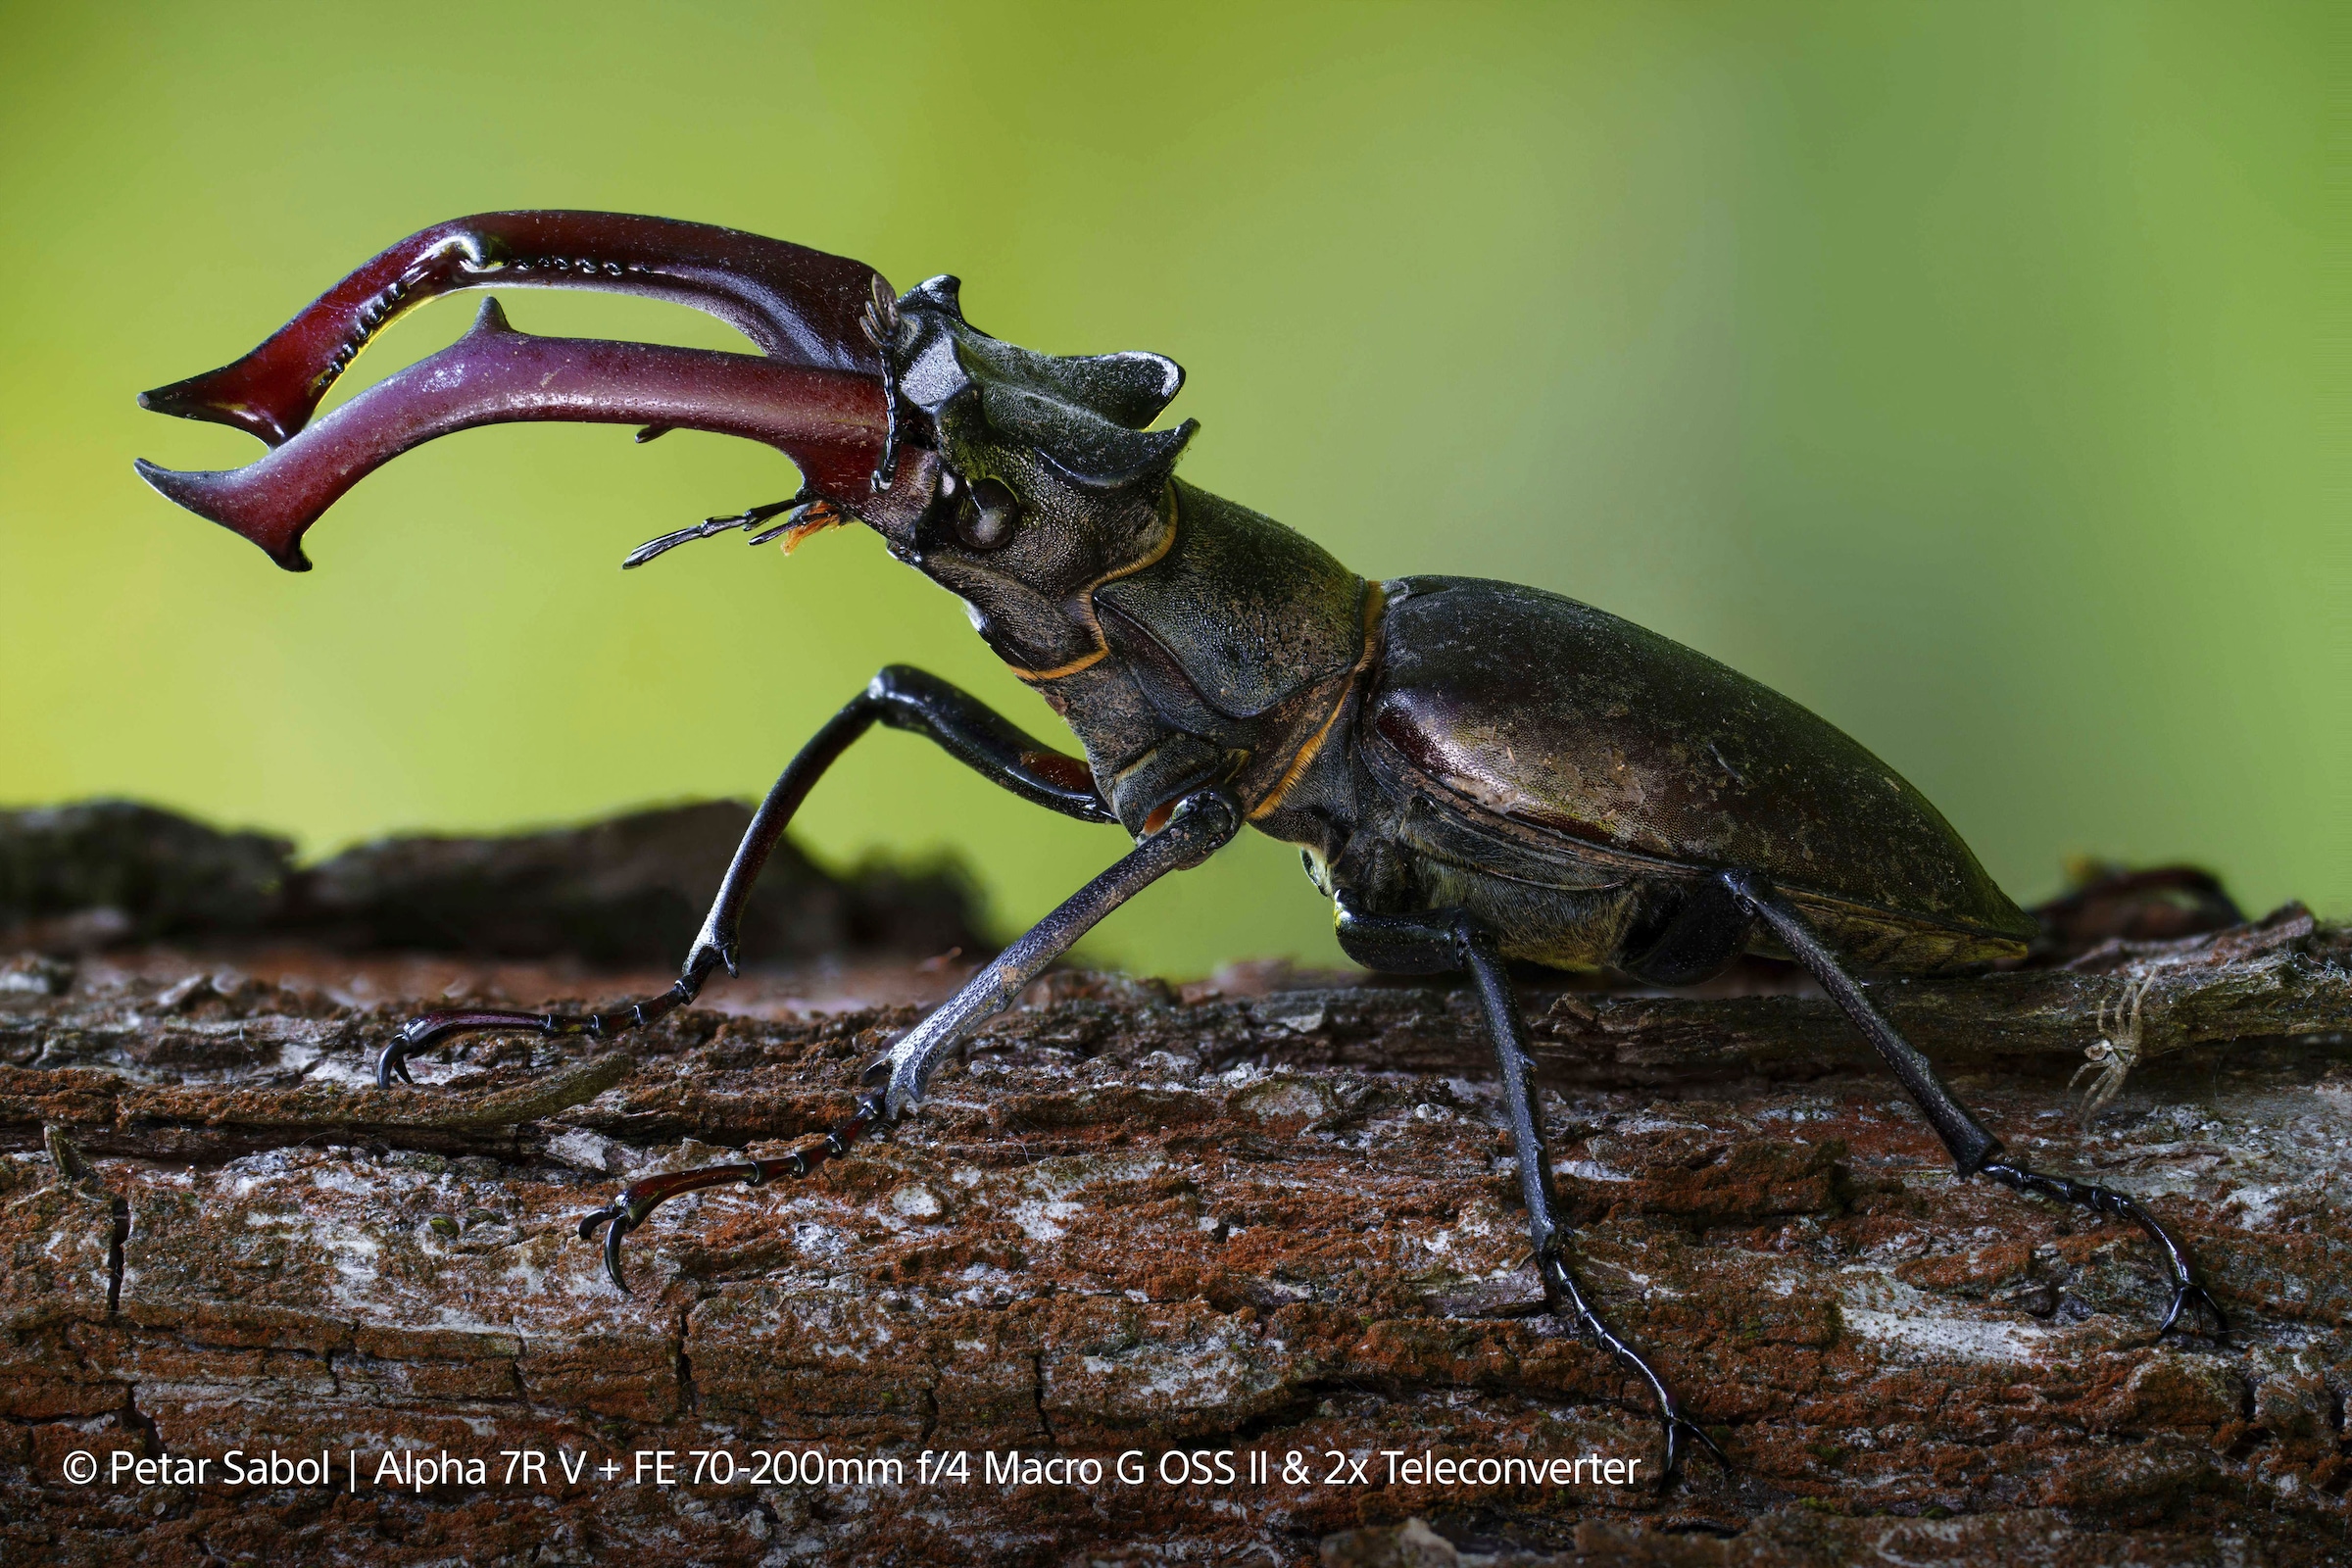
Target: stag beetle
1474 771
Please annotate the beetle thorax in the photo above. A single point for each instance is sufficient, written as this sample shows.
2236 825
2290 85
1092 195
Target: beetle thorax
1187 640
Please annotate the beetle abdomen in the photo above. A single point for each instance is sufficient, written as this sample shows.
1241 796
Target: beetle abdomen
1624 756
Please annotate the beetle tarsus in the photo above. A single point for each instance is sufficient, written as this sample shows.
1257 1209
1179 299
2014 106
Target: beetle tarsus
1971 1147
429 1029
637 1202
2189 1294
1568 1302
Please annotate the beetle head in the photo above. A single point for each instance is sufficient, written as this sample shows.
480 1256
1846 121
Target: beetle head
1044 479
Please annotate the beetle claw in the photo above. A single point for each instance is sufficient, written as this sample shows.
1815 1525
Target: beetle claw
2190 1298
429 1029
1679 1426
620 1224
394 1057
613 1233
636 1202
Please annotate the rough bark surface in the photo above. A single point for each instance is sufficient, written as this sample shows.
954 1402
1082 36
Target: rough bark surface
1277 1218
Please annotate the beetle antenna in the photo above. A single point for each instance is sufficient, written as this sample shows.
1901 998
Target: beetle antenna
711 526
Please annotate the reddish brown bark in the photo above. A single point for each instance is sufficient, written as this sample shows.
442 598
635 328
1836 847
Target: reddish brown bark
1272 1221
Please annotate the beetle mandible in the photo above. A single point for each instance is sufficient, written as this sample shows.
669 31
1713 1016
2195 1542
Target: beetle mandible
1474 771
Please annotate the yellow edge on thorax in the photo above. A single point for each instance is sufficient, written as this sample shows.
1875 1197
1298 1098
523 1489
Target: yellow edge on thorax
1085 599
1375 600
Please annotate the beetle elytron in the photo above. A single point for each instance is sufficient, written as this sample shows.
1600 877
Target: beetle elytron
1475 771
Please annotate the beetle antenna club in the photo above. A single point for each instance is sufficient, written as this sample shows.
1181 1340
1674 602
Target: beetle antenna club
1475 771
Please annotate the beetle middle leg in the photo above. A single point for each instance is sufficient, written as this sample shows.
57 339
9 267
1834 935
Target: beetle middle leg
1447 941
1197 827
899 697
1973 1148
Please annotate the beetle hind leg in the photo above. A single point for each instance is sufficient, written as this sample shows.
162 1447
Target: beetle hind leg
2191 1299
1446 941
1975 1149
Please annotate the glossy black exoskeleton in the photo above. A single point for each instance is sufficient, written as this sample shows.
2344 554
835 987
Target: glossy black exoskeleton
1474 771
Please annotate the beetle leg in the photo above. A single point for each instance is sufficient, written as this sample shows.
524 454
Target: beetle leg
1971 1146
1199 824
899 697
638 1200
1444 941
2189 1294
1509 1028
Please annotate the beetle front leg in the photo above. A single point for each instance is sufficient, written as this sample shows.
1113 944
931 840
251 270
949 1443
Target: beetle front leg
901 698
1199 824
1445 941
1971 1147
638 1200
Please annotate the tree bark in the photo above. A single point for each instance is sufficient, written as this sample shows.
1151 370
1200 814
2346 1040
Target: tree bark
1139 1221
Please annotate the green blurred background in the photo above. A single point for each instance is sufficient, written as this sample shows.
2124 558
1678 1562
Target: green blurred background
1973 374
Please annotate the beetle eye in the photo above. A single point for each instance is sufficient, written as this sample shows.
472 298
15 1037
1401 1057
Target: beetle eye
986 514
